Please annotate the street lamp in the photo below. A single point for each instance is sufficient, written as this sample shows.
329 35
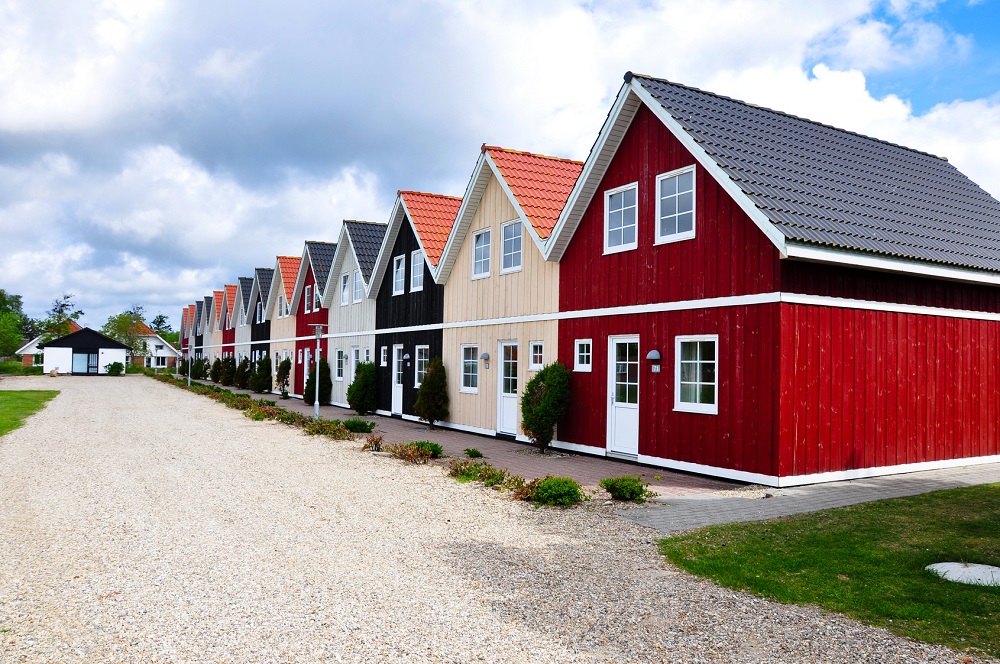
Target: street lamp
319 337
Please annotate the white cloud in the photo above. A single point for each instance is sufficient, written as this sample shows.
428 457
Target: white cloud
229 71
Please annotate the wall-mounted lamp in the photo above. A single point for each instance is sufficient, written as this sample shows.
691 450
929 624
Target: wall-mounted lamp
485 357
406 358
654 358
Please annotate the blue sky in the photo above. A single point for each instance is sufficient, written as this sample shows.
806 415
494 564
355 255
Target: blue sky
153 150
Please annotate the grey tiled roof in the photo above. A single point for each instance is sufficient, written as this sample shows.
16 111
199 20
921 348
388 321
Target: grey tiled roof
321 255
197 314
208 309
826 186
264 275
366 237
246 285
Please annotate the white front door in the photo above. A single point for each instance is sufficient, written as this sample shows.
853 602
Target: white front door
355 360
305 369
397 380
507 400
623 395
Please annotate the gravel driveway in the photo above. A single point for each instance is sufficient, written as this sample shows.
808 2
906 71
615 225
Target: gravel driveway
142 523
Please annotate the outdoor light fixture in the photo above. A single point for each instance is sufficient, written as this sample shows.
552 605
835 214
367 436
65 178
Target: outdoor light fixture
654 357
406 358
485 357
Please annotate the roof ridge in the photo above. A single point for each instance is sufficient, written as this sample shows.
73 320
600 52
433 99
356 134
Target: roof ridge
425 193
486 147
630 75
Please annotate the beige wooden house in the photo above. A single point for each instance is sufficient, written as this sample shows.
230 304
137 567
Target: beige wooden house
278 310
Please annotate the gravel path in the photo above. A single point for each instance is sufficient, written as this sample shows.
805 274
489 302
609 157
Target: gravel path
141 523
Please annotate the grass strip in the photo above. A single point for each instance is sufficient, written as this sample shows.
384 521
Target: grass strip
867 561
17 405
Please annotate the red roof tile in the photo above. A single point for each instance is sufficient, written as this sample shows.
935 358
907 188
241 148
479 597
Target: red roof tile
74 326
541 184
217 301
432 215
142 328
289 266
231 298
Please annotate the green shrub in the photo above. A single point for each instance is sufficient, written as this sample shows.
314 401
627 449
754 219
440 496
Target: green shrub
114 369
325 384
465 470
215 373
373 443
281 378
134 368
290 417
260 377
355 425
228 373
544 403
362 390
332 428
473 453
433 449
241 378
410 452
199 370
18 369
561 491
432 397
627 487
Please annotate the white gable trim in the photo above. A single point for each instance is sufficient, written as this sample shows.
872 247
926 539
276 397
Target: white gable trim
305 264
30 348
272 295
399 213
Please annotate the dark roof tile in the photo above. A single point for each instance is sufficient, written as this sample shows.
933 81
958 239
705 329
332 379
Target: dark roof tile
366 238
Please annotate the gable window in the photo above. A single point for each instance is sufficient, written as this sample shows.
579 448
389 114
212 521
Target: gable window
288 307
416 271
620 218
696 376
583 354
358 286
423 354
510 235
317 298
384 360
675 205
368 354
537 356
300 356
282 309
470 369
307 306
399 275
481 254
260 312
344 289
340 364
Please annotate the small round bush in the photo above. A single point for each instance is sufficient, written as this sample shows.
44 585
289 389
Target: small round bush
434 449
473 453
558 491
626 487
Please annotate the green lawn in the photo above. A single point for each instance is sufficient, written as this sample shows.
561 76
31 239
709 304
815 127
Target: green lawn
867 561
16 406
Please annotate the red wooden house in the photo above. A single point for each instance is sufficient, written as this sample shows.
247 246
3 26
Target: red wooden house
752 295
228 324
307 303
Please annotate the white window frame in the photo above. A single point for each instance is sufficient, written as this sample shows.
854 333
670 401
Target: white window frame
475 355
686 235
384 356
359 287
684 406
607 199
416 363
475 237
368 354
345 289
399 267
416 269
317 298
300 357
532 365
577 365
308 297
520 251
281 306
341 356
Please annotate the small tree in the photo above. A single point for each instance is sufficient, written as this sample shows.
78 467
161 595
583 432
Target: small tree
228 375
432 397
281 380
260 377
325 384
362 391
215 373
544 403
199 370
241 378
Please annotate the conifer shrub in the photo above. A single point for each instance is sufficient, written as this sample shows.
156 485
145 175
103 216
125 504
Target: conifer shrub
355 425
260 377
199 370
558 491
325 385
282 376
241 378
228 374
362 391
215 373
432 397
628 488
544 403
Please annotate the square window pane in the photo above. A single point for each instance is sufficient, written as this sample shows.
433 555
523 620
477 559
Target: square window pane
668 206
689 372
668 186
685 222
707 349
628 235
685 202
689 350
628 197
707 372
688 393
707 394
685 181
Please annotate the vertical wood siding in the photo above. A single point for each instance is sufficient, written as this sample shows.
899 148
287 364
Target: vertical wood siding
352 317
283 328
409 341
302 329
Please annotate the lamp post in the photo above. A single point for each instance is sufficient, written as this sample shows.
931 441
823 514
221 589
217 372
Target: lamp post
319 337
190 362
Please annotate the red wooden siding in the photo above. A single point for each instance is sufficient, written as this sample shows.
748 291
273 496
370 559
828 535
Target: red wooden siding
860 389
302 329
728 256
228 341
740 437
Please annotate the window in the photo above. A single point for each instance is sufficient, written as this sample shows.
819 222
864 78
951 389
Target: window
423 354
399 275
481 254
620 218
260 312
675 205
470 369
288 307
511 247
582 356
384 360
416 271
368 354
358 286
537 360
355 359
307 303
300 356
696 375
317 298
340 364
344 289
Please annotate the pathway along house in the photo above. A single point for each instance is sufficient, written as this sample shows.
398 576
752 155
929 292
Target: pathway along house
751 295
85 352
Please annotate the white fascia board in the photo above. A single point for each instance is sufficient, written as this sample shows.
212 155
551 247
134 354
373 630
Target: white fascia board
619 117
389 239
305 264
466 211
539 243
338 260
887 264
272 293
776 237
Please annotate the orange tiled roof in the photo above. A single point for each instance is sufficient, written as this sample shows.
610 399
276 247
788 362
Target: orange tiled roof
289 266
192 310
541 184
217 301
142 328
74 326
432 215
231 298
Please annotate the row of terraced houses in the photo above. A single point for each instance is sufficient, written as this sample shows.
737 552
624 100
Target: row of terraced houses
737 292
